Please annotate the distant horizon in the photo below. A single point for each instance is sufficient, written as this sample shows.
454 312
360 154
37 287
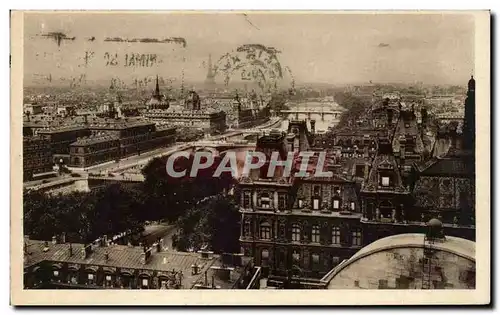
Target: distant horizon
336 49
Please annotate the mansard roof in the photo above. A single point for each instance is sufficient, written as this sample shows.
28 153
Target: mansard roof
384 160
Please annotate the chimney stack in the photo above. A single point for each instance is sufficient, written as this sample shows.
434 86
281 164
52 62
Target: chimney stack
86 251
63 238
146 255
70 250
195 269
54 239
104 241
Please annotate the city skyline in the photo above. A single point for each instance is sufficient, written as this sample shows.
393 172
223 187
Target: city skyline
435 48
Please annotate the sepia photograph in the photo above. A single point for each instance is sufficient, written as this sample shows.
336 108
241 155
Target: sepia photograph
168 152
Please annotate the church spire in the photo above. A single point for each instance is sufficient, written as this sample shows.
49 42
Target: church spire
157 88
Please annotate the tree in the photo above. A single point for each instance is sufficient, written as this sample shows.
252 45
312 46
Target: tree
355 107
215 223
278 102
84 217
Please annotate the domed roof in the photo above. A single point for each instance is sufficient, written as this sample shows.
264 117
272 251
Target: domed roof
455 245
401 243
434 223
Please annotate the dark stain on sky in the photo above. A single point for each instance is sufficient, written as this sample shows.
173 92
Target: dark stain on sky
58 37
383 45
177 40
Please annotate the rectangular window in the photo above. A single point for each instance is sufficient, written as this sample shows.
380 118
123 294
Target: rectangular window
385 181
265 232
301 203
108 278
353 206
335 261
144 282
265 202
356 237
247 200
316 204
56 273
315 262
315 234
316 191
335 235
91 276
282 202
336 204
296 233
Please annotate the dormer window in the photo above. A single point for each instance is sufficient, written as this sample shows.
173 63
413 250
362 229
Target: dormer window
385 181
301 203
353 206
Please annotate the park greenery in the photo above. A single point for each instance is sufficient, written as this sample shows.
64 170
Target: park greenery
202 207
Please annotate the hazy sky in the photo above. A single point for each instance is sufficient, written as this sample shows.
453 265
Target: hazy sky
329 48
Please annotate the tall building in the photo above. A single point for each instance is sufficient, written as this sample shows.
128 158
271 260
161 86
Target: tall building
210 79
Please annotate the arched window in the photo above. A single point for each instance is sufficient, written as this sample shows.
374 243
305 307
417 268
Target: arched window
296 233
265 231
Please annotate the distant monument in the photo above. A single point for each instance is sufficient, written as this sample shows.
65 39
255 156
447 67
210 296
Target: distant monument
210 79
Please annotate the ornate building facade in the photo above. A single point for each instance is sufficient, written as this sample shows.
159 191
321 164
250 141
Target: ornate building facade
293 225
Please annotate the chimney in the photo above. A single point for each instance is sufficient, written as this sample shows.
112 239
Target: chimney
313 126
70 250
54 239
146 255
63 238
106 256
86 251
195 269
104 241
46 246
